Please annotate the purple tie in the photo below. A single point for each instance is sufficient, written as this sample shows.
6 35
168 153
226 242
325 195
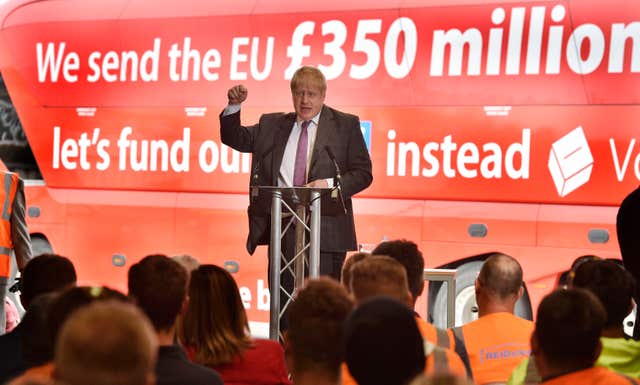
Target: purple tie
300 168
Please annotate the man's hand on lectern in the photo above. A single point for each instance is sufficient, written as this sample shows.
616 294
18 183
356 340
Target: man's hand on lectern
320 183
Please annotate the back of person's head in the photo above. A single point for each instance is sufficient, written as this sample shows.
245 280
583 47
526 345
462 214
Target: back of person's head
611 283
37 347
44 274
568 327
408 254
567 277
159 286
215 323
501 276
627 224
345 273
379 275
67 302
316 328
190 263
383 343
106 343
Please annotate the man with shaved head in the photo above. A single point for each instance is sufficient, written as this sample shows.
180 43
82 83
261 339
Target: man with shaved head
494 344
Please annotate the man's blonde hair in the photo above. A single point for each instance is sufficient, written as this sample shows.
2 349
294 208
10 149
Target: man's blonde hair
310 74
106 343
379 275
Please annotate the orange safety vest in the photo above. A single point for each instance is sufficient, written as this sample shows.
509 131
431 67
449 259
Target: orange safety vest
438 361
434 335
439 358
492 346
7 196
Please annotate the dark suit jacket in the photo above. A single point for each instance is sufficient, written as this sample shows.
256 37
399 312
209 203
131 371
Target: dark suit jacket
267 140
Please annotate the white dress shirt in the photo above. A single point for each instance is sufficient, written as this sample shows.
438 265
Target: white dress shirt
285 174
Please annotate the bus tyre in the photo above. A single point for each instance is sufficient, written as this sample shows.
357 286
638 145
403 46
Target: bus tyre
465 300
40 245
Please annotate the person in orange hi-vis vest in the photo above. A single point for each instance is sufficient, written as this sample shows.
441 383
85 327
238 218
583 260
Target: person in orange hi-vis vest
566 340
494 344
407 253
14 234
384 276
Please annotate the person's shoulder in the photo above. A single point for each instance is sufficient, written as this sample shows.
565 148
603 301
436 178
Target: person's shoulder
277 119
522 321
339 114
173 366
595 375
10 338
507 320
265 344
203 375
276 115
14 175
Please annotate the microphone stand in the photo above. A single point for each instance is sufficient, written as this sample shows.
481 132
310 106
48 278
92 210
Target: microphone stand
338 177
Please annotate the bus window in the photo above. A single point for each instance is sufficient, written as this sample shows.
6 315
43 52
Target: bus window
15 152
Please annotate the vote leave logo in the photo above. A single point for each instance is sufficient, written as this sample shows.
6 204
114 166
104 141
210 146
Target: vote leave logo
570 162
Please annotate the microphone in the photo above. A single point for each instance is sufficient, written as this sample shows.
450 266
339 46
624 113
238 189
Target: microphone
335 163
255 172
338 176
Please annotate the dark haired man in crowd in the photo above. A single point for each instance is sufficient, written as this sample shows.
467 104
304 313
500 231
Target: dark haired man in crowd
407 253
566 340
379 275
313 342
46 273
158 284
383 343
614 287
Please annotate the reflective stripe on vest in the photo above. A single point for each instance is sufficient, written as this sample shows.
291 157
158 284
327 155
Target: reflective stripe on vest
532 376
10 186
461 349
440 360
442 338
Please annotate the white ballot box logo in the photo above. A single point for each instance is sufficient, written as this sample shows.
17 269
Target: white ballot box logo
570 162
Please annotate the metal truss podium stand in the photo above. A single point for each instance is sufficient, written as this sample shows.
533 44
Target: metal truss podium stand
293 209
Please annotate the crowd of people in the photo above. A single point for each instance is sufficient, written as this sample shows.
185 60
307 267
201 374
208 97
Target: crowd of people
184 323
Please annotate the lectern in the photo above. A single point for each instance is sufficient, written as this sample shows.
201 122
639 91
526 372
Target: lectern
294 209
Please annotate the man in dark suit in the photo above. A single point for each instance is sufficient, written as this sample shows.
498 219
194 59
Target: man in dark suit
290 149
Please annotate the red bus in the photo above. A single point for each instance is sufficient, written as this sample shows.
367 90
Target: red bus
504 126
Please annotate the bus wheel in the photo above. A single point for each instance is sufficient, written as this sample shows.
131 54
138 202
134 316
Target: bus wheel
40 245
465 300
